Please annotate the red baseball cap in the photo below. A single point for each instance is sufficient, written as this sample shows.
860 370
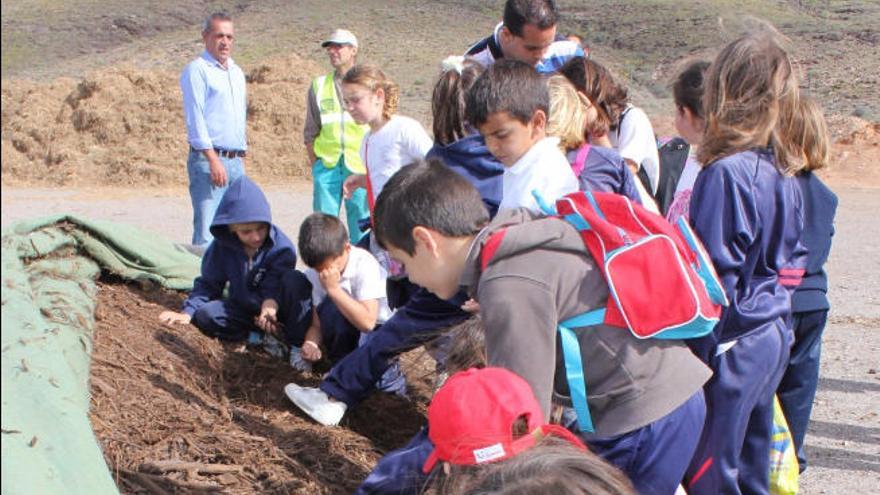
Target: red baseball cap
471 418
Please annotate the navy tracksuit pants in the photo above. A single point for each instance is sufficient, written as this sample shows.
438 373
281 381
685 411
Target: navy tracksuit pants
798 387
399 472
656 456
341 338
228 320
353 378
733 456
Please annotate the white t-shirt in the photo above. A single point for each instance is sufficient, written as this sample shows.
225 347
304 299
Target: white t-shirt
363 279
634 140
399 142
543 168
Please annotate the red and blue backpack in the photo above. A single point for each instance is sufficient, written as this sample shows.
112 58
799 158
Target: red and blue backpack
661 282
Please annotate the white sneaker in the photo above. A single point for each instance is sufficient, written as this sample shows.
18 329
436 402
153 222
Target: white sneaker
318 405
298 362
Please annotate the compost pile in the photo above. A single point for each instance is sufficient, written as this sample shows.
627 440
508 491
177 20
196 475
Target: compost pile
123 126
176 411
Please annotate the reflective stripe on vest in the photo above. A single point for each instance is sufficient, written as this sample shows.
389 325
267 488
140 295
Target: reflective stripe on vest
338 129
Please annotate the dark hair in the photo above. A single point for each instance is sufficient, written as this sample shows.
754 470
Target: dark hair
208 23
539 13
552 466
594 81
467 345
508 86
688 88
427 194
448 102
321 237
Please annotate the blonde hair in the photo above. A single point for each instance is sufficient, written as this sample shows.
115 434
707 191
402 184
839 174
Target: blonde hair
807 135
568 114
372 78
751 93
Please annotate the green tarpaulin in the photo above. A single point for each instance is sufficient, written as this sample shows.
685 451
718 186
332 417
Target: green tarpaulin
49 268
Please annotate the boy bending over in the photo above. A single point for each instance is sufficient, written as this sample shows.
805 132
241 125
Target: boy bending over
256 260
645 395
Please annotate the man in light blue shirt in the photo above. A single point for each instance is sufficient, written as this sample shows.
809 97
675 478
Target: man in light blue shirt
215 107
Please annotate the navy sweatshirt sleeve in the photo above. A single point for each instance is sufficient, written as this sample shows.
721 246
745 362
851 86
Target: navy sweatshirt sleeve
725 218
606 171
281 259
209 285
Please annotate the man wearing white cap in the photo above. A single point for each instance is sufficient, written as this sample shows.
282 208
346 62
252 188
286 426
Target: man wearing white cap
333 139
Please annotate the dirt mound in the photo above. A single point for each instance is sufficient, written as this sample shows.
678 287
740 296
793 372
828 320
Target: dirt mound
124 126
176 410
855 153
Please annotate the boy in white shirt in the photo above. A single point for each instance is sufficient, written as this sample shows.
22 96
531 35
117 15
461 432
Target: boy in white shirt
348 297
508 104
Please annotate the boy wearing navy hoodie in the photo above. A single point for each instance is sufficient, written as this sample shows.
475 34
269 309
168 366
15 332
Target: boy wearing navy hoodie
266 292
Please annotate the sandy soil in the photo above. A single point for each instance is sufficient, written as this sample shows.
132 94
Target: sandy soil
844 439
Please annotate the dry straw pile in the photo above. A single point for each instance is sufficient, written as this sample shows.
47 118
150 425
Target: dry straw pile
124 126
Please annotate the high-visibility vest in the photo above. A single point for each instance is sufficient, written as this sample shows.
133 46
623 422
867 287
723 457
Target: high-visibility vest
338 129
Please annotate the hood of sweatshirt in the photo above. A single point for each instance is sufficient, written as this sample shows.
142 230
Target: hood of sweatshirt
243 202
470 157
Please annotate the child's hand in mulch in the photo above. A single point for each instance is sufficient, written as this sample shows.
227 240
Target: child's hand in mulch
311 351
173 317
267 321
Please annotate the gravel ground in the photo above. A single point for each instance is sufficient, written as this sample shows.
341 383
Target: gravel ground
844 438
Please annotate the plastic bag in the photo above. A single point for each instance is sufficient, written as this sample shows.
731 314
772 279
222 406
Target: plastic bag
784 468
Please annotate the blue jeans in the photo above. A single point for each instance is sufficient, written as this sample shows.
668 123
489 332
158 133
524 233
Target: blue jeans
327 196
205 195
798 387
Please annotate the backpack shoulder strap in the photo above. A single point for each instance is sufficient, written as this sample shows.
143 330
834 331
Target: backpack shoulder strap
580 159
490 247
574 365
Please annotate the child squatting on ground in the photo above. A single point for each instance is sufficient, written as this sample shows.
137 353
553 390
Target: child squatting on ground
267 295
348 297
646 395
